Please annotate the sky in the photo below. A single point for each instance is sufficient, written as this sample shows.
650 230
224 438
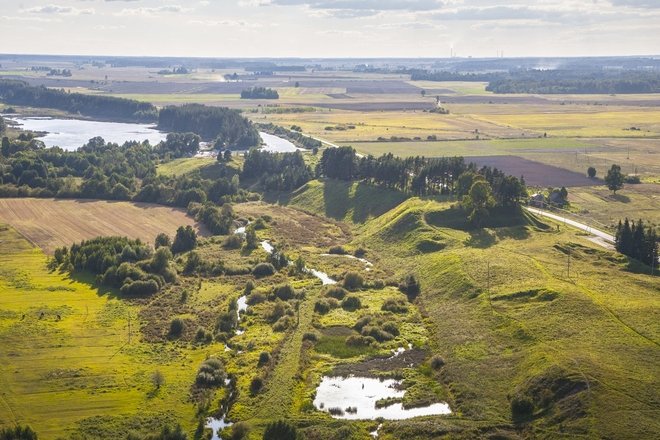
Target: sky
331 28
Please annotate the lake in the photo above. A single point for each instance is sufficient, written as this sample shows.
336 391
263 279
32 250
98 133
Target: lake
71 134
276 144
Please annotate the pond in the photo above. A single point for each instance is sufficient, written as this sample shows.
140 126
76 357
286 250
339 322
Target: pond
359 395
71 134
276 144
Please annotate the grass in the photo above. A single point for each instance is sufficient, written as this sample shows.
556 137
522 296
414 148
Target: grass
178 167
57 372
50 223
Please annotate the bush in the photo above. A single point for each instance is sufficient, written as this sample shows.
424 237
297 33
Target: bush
395 306
280 430
249 287
337 250
256 385
437 362
210 374
263 270
284 292
162 240
377 333
336 292
321 307
353 281
264 358
233 242
203 336
591 172
632 180
309 336
360 341
283 323
522 408
137 288
351 303
18 433
256 298
391 328
362 322
176 327
239 430
410 286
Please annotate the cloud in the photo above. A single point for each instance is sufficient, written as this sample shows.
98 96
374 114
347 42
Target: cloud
226 23
650 4
155 10
59 10
358 8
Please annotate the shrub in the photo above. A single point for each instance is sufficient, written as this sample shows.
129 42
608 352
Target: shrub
410 286
337 250
233 242
284 292
321 307
162 240
395 306
18 433
264 358
591 172
309 336
239 430
137 288
176 327
280 430
256 385
351 303
632 180
353 281
256 298
283 323
360 252
210 374
362 322
203 336
360 341
336 292
377 333
249 287
263 270
521 408
391 328
437 362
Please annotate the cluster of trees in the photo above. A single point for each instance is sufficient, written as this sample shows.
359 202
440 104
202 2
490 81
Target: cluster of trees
573 81
637 241
588 81
259 93
276 171
110 171
174 71
226 127
58 72
418 175
120 262
294 135
20 93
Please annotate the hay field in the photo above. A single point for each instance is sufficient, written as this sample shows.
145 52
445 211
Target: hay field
51 223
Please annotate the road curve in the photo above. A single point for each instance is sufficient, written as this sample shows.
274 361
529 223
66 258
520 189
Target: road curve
607 237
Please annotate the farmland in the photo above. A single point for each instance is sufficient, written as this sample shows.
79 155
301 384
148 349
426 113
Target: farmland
50 223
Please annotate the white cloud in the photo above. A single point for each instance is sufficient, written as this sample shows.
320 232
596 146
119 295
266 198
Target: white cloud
59 9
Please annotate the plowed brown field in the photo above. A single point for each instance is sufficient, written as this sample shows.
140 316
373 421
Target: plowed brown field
51 223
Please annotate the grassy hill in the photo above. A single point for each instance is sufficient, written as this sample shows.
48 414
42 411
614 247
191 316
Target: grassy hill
510 323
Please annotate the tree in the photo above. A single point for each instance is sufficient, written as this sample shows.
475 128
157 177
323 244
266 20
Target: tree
591 172
18 433
158 379
614 178
162 240
478 201
423 93
185 240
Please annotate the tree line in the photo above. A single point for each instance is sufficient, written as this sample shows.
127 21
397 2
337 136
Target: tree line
276 171
20 93
637 241
225 126
559 81
260 93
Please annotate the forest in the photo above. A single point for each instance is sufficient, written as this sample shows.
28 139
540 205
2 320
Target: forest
105 107
259 93
226 127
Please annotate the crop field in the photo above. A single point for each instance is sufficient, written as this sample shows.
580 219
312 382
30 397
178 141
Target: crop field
51 223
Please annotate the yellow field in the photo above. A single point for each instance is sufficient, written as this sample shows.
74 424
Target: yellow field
51 223
65 351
